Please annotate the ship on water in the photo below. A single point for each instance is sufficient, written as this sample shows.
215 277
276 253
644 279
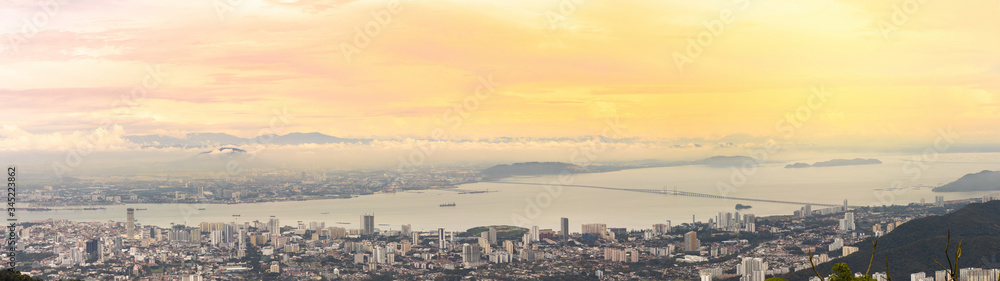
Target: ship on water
452 204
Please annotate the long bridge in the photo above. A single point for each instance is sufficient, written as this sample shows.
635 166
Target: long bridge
682 193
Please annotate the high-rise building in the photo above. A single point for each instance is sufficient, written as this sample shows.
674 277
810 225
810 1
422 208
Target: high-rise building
837 244
492 236
661 228
534 234
274 227
847 223
471 254
939 201
368 224
195 236
442 242
750 223
564 223
130 225
691 242
404 230
598 230
93 248
752 269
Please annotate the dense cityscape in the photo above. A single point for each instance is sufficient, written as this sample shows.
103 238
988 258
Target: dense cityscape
729 246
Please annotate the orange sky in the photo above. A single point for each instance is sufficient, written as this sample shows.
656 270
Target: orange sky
559 68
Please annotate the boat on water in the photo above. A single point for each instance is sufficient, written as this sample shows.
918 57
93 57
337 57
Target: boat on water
236 215
452 204
340 222
141 209
201 209
325 213
383 224
233 203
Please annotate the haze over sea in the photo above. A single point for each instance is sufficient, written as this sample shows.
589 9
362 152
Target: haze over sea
860 185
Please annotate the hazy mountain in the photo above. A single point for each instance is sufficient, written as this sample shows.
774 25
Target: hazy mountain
717 162
981 181
913 246
727 161
797 165
215 139
224 150
158 141
317 138
836 162
219 139
530 168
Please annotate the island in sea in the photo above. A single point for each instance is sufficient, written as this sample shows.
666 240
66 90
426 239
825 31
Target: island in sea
981 181
555 168
835 162
531 169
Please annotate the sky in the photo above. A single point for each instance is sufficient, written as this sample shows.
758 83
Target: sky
829 73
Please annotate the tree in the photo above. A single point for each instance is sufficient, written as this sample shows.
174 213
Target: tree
13 275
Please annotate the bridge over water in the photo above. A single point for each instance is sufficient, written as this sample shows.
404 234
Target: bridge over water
682 193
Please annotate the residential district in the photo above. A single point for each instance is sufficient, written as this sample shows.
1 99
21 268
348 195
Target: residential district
729 246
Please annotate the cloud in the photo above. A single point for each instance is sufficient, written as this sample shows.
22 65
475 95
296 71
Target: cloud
309 6
13 138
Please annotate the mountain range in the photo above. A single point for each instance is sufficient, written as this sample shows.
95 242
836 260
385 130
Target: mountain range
221 139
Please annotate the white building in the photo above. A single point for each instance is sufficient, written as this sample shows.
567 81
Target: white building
752 269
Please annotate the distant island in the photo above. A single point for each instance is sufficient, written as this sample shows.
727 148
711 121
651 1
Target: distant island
835 162
531 169
740 207
725 161
716 162
555 168
981 181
